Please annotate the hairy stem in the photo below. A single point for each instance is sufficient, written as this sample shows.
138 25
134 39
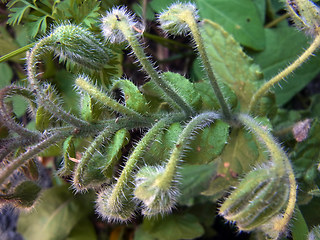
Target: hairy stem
30 153
105 134
170 95
5 116
137 154
276 79
32 60
103 98
193 25
197 122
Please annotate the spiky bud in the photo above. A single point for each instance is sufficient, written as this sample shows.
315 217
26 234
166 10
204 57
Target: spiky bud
173 20
117 22
78 45
119 208
305 14
257 199
155 198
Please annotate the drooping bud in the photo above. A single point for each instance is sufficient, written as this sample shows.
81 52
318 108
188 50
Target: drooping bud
117 22
173 20
257 199
78 45
155 198
119 208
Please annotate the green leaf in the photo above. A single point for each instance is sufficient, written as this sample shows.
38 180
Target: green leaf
238 17
16 14
119 140
8 45
23 196
194 180
68 152
184 88
280 51
238 157
84 230
133 97
55 216
208 143
159 151
37 25
5 74
299 227
231 65
173 227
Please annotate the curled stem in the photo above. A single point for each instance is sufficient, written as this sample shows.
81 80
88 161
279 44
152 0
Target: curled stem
30 153
200 121
282 163
32 60
126 173
5 116
284 73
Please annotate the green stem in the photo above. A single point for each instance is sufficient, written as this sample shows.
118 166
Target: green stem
201 120
187 16
103 98
5 116
277 20
276 79
16 52
169 94
30 153
137 153
283 166
32 60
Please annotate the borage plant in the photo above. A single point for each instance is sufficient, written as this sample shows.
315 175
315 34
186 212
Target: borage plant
182 123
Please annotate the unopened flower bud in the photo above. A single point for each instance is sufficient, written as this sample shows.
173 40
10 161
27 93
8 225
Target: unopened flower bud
174 20
78 45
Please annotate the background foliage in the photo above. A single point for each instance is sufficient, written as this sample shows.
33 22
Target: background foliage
65 216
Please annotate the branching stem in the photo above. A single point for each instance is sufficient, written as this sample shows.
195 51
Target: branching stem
287 71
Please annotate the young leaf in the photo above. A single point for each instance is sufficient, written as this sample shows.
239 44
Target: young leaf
208 143
230 63
246 28
173 227
55 216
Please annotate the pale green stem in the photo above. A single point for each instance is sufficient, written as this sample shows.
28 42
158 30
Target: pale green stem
276 79
103 98
277 20
30 153
32 60
170 95
283 166
137 153
16 52
203 119
193 25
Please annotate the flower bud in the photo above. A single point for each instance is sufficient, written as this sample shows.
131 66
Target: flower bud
115 208
257 199
173 20
117 23
155 198
78 45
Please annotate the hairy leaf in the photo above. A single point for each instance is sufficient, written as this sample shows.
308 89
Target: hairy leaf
246 28
173 227
231 65
55 216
